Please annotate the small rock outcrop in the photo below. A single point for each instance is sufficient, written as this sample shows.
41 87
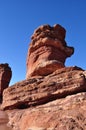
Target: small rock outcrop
48 50
5 76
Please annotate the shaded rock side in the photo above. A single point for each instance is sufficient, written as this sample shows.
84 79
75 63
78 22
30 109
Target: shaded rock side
48 50
4 121
62 114
5 76
42 89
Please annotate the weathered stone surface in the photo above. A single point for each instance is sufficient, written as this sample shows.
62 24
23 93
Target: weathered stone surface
62 114
42 89
48 50
4 121
5 76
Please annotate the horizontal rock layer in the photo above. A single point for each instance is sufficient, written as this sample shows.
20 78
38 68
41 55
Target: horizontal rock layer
43 89
62 114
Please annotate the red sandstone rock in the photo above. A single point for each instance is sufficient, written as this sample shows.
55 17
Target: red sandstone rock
39 90
5 76
53 102
48 50
64 114
53 97
4 121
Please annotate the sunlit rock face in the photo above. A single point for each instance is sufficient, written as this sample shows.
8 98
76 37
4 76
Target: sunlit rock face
5 76
48 50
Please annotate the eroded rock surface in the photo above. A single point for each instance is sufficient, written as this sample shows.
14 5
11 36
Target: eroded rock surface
62 114
42 89
48 50
5 76
4 121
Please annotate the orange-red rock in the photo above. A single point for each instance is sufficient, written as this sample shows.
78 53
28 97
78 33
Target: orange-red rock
53 97
4 121
64 114
48 50
5 76
39 90
53 102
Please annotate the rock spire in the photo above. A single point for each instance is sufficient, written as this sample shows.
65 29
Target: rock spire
48 50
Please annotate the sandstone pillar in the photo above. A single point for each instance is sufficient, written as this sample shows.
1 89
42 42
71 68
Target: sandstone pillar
48 50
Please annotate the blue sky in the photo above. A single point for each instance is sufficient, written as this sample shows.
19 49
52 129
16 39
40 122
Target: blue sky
19 18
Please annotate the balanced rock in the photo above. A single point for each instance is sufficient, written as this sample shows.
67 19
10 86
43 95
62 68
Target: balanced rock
52 97
48 50
5 76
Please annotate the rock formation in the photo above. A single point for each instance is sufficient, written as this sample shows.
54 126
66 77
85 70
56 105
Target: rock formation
67 113
5 76
52 97
38 90
48 50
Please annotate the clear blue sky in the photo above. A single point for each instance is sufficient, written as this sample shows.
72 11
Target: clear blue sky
19 18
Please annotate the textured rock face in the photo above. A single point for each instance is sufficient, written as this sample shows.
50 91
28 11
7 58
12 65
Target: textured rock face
3 121
48 50
39 90
64 114
53 102
5 76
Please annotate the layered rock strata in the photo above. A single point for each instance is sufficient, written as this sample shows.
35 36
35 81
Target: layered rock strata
48 50
39 90
68 113
53 102
5 76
